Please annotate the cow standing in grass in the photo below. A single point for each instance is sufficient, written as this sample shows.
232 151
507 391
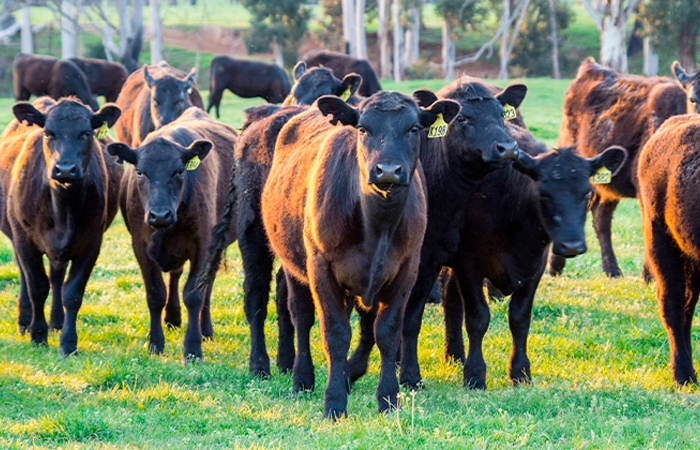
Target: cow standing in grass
104 77
342 65
170 203
59 195
345 211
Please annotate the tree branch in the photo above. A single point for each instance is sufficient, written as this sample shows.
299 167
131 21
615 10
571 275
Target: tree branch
594 13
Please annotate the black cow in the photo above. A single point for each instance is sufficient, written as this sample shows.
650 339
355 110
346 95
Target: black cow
105 78
690 84
310 84
343 65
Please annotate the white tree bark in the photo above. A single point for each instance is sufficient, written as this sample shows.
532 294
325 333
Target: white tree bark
611 18
124 25
398 35
360 32
27 46
137 15
69 29
279 56
555 40
349 26
505 54
448 51
651 59
412 40
157 29
508 42
383 35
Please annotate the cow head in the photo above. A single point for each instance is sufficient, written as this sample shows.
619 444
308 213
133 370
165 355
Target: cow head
69 136
388 127
161 168
311 84
170 96
563 182
479 132
690 84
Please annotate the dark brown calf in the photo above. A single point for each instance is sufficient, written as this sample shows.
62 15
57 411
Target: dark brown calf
45 75
170 205
669 194
604 108
311 84
104 77
343 65
59 196
154 96
345 212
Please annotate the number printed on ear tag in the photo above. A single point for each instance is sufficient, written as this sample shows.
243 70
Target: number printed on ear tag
439 128
509 112
602 176
345 95
102 131
193 163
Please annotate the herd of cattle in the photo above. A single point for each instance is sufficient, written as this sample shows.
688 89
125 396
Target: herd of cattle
369 198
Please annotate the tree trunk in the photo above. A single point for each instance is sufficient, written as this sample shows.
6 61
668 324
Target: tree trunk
137 16
124 26
383 35
157 30
398 35
412 44
555 40
360 33
651 59
27 46
505 54
69 30
448 51
279 56
349 26
686 42
613 41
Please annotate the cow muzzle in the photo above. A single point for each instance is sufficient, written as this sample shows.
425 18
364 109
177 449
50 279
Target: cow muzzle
384 176
569 249
66 173
160 218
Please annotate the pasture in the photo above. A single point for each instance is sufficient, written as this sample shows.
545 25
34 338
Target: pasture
601 377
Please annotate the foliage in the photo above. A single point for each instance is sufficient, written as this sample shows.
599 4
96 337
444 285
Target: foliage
666 20
277 21
331 32
461 14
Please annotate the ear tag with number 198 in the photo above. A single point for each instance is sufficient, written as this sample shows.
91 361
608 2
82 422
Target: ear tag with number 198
438 128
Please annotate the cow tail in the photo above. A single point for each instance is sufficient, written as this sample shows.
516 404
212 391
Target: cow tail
219 236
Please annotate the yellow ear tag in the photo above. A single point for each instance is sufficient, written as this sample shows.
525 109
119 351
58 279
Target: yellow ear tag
438 128
345 95
509 112
102 131
602 176
193 163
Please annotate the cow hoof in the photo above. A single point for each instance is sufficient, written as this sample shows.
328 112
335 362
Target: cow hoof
67 350
413 385
285 363
22 328
155 349
173 324
208 337
207 332
39 335
612 272
387 403
475 383
191 358
304 384
334 413
260 369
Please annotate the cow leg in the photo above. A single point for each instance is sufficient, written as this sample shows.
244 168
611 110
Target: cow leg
602 211
193 299
155 297
24 304
519 317
359 360
454 318
285 340
556 264
56 277
205 316
691 303
336 334
410 370
173 315
215 100
477 315
301 307
73 291
32 265
673 299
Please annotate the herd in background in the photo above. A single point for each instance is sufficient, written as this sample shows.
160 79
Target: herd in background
369 199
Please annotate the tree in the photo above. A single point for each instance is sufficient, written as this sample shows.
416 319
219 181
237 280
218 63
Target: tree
611 19
349 27
398 35
383 35
360 33
332 25
157 31
279 25
674 24
412 35
27 45
456 14
70 16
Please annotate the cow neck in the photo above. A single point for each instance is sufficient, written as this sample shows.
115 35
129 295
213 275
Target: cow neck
66 206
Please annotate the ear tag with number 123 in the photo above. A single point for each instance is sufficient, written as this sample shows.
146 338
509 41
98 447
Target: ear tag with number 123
509 112
602 176
102 131
193 163
439 128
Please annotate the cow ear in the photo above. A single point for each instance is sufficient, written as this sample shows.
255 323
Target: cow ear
681 76
527 165
190 79
341 111
150 81
199 148
513 95
448 108
424 97
299 70
26 111
109 114
351 81
123 152
613 158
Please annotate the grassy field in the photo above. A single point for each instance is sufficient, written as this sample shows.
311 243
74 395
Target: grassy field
599 355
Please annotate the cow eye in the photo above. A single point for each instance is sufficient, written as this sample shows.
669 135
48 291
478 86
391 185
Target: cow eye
461 118
181 172
49 135
138 173
85 134
692 100
415 129
156 102
361 130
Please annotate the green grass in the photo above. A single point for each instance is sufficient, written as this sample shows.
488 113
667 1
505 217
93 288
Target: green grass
599 361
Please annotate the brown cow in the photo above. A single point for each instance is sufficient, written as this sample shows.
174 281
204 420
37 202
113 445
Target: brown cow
170 205
154 96
104 77
345 212
60 193
669 193
45 75
603 108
